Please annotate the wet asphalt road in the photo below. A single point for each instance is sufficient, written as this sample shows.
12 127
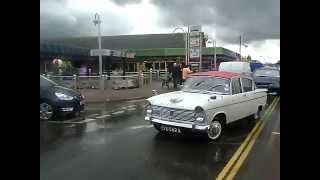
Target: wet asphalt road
112 141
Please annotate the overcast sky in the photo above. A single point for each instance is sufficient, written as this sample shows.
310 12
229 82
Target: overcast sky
258 21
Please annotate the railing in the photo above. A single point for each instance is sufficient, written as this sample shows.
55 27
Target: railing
132 80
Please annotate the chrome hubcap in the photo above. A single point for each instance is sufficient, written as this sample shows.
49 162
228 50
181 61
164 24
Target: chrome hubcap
214 130
46 111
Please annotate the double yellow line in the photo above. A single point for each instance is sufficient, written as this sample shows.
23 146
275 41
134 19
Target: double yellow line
234 164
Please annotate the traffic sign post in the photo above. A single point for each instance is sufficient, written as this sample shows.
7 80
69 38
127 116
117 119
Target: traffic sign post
195 44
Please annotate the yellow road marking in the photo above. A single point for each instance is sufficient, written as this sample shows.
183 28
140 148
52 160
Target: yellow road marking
233 159
245 153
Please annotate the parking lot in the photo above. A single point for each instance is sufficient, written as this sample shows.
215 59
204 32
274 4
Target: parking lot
113 141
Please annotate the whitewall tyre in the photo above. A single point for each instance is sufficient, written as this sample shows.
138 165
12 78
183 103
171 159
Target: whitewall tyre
215 130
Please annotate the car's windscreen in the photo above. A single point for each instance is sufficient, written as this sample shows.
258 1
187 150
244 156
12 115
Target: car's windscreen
45 82
206 84
267 73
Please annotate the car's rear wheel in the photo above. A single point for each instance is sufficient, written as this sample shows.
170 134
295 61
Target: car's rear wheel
258 114
215 130
46 111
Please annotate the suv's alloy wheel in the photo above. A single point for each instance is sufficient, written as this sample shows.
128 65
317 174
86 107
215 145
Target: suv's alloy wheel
46 111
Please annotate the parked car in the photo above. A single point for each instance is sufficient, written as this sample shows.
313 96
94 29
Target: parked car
236 67
254 65
56 100
268 77
207 102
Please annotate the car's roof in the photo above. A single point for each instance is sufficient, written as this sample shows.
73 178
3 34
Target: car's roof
234 62
221 74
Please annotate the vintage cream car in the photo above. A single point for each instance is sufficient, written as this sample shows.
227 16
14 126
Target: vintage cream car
207 102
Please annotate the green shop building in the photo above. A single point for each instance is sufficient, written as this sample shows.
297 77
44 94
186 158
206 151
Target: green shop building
156 51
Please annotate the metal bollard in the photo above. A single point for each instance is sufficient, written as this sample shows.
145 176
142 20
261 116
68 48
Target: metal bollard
102 82
75 81
150 76
141 80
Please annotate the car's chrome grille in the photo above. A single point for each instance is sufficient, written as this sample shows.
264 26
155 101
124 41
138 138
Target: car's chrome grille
172 114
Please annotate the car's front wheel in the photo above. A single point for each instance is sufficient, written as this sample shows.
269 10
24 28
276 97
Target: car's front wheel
46 111
215 130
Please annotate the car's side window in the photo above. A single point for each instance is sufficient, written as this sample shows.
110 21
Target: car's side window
236 86
247 84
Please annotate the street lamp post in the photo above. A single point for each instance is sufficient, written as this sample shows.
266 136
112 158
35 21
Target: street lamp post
97 21
215 54
214 45
186 42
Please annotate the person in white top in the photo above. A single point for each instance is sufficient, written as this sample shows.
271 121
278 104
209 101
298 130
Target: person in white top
185 72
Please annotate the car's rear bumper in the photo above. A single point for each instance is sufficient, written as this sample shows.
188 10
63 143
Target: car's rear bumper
191 126
271 89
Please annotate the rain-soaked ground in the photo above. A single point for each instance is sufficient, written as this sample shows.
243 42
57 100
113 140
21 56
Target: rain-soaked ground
112 141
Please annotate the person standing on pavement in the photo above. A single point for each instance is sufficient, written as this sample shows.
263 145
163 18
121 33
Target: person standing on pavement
185 73
181 66
175 75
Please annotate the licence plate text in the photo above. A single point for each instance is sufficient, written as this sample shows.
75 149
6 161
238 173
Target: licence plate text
170 129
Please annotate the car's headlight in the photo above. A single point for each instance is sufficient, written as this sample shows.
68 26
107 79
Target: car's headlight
148 109
199 114
63 96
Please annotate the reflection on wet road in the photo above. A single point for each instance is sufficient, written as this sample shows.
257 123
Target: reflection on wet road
124 146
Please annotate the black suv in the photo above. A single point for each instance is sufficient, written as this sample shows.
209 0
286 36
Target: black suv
56 100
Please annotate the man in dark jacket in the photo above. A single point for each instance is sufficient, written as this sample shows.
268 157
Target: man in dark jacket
181 66
175 74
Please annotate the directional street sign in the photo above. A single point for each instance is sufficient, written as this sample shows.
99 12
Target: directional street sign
109 52
97 52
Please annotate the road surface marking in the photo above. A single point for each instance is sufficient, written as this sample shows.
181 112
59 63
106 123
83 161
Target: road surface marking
93 115
117 112
139 100
139 127
245 153
103 116
276 133
235 157
60 122
72 125
132 109
86 121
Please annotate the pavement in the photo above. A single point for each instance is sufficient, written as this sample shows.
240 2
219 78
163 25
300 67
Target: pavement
111 95
113 141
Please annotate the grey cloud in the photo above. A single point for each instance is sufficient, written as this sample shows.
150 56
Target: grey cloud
125 2
56 21
254 19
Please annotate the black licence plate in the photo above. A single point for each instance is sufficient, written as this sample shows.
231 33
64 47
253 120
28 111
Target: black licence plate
170 129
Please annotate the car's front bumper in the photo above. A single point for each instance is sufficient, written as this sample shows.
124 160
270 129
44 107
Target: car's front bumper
70 108
191 126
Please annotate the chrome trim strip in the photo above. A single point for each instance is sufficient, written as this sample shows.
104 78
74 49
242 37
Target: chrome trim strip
199 127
